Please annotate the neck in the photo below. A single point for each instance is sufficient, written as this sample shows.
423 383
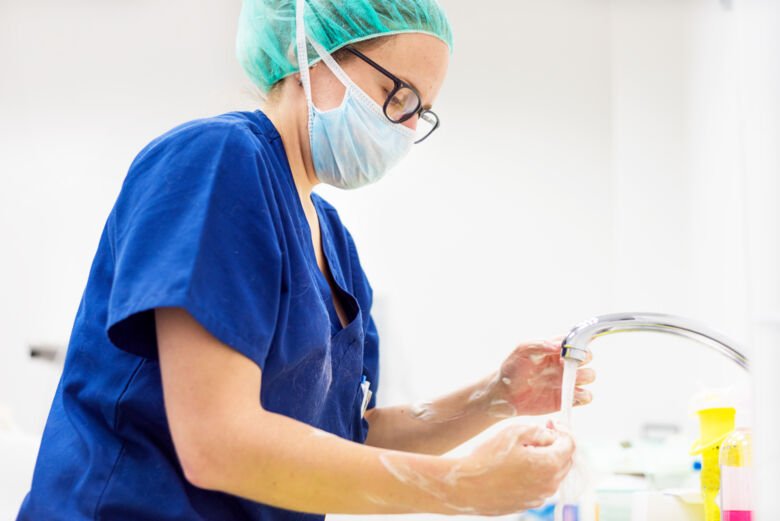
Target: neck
292 125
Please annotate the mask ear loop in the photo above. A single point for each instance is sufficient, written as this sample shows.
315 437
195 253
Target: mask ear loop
303 61
303 58
333 65
345 80
343 77
300 39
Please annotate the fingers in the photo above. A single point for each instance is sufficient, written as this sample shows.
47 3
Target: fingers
558 339
540 348
586 376
535 436
551 345
582 396
547 344
588 358
558 426
564 448
564 470
557 455
562 438
564 445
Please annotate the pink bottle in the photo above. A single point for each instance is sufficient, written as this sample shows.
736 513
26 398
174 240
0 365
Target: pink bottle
736 477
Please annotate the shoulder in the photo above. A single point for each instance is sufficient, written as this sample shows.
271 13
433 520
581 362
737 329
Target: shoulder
234 135
224 162
234 148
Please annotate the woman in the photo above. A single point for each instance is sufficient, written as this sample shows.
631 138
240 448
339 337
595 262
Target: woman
223 362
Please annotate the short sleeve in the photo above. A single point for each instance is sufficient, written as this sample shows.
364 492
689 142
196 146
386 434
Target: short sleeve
192 228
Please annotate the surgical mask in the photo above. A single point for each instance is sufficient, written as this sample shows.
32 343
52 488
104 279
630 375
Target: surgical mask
353 144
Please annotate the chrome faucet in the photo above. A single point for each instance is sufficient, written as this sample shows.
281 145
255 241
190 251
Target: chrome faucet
575 345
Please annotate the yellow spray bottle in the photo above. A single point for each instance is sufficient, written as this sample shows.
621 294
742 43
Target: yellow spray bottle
715 424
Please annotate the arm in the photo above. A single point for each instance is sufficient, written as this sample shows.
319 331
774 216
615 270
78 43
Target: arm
225 441
441 425
528 383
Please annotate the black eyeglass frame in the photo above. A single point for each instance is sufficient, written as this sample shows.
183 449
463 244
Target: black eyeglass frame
398 84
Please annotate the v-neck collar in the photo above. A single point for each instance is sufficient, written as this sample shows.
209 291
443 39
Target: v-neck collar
328 250
329 255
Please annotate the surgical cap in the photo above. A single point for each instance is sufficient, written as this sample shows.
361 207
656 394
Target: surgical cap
265 43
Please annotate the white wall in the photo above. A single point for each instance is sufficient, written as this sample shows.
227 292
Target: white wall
588 162
696 134
678 207
83 87
759 39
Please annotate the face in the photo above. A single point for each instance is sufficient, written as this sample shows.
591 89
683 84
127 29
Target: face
418 59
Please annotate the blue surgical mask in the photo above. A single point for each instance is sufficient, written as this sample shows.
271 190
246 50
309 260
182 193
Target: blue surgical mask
353 144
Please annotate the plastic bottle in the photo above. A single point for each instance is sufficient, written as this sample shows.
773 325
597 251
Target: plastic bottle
736 485
715 425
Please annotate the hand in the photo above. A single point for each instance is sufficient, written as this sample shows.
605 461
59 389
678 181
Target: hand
530 379
517 469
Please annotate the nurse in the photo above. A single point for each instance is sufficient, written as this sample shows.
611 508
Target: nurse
223 362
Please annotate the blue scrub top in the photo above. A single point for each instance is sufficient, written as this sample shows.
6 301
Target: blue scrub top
207 219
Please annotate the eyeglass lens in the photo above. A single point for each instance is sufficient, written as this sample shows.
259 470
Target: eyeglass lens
402 105
426 124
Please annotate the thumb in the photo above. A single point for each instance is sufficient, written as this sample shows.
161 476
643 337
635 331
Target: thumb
536 436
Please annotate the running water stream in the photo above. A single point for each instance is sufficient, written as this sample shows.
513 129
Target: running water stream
567 389
567 503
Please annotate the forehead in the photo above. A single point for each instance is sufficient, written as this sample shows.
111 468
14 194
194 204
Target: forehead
419 59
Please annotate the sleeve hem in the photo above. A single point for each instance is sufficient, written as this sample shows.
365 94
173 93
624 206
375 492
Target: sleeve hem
207 320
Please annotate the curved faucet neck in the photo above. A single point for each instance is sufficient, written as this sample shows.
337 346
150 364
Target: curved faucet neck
576 344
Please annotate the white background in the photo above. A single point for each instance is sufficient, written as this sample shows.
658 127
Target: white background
593 157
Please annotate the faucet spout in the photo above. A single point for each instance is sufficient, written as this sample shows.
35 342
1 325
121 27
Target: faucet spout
575 345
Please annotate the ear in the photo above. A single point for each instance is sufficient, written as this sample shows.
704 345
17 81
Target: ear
298 74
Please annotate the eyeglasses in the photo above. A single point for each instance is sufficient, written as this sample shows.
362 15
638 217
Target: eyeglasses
403 101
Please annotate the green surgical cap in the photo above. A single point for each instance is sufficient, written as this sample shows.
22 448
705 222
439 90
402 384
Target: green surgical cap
265 43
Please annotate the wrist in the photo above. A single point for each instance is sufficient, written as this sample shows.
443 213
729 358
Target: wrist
493 398
429 484
459 497
452 491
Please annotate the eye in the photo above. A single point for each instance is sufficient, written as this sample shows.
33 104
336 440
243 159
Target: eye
395 101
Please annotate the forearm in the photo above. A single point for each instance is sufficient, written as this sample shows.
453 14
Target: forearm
273 459
226 441
440 425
